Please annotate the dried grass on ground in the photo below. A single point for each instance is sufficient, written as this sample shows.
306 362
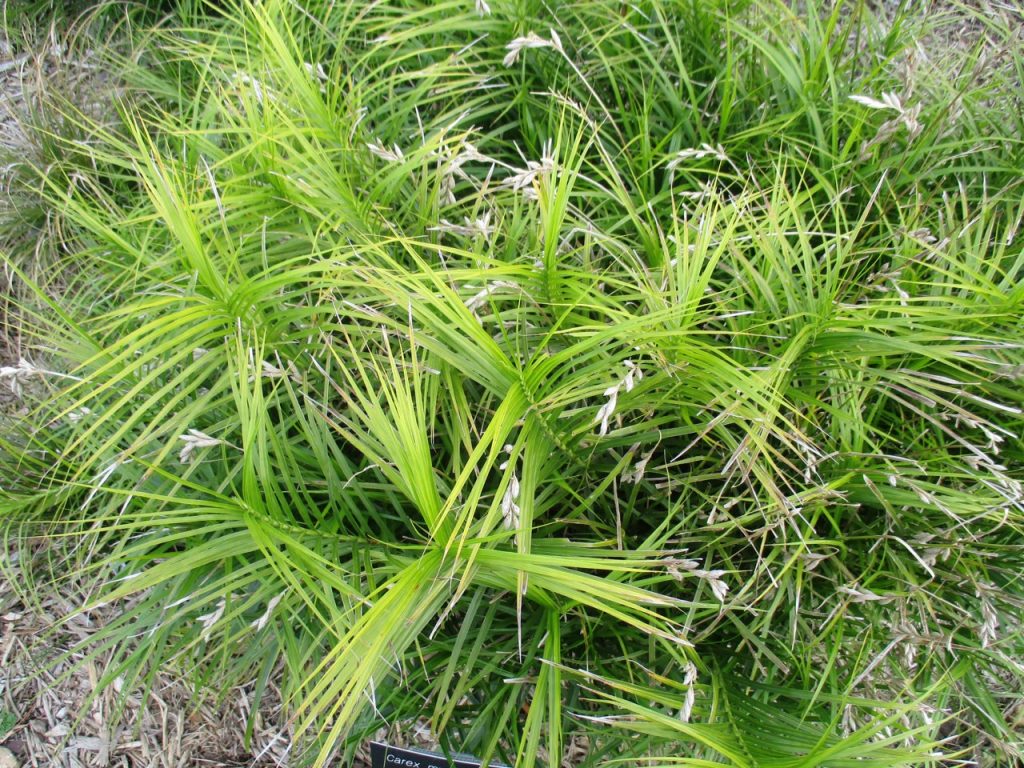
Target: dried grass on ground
63 724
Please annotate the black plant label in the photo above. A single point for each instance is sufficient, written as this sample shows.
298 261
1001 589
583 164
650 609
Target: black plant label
386 756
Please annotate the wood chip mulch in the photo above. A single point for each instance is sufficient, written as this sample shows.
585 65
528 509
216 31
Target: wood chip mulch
54 718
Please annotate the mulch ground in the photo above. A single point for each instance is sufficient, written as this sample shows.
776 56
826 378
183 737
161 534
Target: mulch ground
62 721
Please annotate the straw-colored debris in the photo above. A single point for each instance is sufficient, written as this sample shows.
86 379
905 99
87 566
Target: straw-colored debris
56 725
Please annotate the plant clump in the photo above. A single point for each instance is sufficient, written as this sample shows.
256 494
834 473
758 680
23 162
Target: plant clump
596 383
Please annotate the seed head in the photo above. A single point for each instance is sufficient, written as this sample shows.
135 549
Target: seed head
393 155
209 620
689 679
195 440
530 40
697 153
509 508
889 100
261 622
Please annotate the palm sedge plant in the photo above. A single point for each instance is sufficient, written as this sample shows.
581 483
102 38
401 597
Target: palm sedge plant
605 383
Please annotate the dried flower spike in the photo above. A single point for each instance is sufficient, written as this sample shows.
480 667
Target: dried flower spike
195 440
509 508
530 40
697 153
689 680
393 155
889 100
604 413
209 620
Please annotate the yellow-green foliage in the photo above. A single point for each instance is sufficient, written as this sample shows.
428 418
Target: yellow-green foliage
644 372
